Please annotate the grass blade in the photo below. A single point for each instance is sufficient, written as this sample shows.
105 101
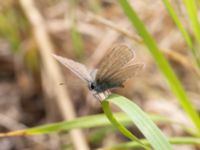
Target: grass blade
175 141
181 28
82 122
99 120
193 17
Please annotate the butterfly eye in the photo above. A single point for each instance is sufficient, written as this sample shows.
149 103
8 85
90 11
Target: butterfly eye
91 86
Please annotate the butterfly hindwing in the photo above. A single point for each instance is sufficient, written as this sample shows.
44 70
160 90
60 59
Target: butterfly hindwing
126 72
117 79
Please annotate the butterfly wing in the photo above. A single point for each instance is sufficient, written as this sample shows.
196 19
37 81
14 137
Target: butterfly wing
77 68
125 73
116 58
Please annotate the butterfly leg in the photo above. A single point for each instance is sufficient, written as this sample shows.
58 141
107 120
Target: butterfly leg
106 93
101 96
97 96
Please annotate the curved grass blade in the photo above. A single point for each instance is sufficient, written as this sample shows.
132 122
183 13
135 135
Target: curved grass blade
164 66
155 137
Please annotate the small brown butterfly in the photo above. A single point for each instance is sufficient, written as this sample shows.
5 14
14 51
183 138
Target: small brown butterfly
116 67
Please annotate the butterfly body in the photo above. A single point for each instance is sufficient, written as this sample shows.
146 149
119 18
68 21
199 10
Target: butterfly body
101 87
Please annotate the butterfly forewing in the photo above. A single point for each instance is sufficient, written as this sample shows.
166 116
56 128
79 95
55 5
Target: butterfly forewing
116 58
77 68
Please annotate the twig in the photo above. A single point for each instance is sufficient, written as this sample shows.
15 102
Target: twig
115 27
52 70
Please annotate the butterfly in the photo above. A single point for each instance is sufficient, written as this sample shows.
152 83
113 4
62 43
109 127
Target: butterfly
116 67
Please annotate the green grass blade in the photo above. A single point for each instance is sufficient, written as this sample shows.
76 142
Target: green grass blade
76 37
99 120
181 28
164 66
77 41
193 17
82 122
155 137
9 29
175 141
